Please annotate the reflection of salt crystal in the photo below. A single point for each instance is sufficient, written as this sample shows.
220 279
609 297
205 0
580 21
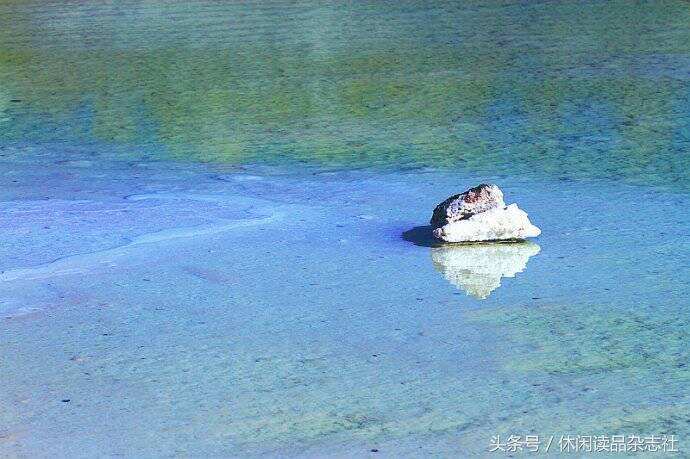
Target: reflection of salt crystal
477 269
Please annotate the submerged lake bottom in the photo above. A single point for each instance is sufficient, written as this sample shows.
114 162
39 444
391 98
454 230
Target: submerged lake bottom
153 308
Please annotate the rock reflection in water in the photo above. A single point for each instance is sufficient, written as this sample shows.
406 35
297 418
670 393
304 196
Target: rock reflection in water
477 269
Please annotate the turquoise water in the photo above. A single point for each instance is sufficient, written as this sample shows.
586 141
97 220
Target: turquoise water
574 89
214 226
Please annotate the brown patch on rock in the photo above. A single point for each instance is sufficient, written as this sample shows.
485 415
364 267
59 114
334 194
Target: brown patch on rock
463 205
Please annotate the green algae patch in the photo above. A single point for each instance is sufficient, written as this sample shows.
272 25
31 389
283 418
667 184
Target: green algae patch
572 340
596 370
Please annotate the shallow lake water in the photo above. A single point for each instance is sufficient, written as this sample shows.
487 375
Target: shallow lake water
215 240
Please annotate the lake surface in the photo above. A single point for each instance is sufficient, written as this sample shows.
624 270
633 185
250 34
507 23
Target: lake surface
214 237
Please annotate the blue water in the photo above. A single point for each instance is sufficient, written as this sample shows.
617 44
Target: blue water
215 241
